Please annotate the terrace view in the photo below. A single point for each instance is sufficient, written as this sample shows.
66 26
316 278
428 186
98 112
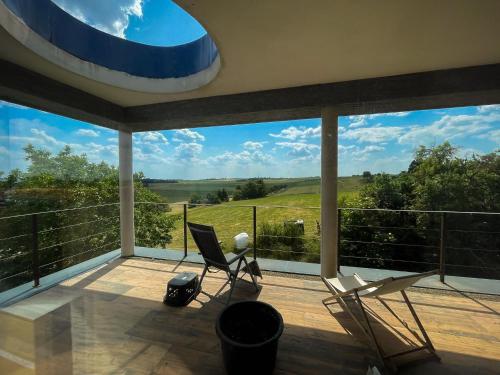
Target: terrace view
159 213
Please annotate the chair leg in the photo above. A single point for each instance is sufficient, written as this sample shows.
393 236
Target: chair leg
379 350
205 269
413 332
254 281
233 284
232 280
420 325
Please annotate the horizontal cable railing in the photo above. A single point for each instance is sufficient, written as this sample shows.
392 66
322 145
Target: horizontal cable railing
458 243
40 243
373 241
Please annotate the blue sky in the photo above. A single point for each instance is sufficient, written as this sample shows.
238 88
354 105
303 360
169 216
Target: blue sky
154 22
379 143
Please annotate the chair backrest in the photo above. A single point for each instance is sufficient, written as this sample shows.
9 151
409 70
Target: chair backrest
206 240
396 284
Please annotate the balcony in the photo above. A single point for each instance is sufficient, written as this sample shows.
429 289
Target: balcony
75 306
79 300
111 320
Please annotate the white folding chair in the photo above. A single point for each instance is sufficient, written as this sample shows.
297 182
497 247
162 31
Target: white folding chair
355 287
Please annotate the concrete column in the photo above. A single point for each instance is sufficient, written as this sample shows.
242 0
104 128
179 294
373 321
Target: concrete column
329 205
127 233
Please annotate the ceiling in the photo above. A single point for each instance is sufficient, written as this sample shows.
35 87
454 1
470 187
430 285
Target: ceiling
276 44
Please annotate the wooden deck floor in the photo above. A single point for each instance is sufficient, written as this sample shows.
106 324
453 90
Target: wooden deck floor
112 321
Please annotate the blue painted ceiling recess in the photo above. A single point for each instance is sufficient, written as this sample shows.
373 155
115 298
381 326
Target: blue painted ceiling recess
92 45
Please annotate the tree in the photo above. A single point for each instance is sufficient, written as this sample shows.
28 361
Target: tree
213 198
195 199
223 195
438 179
251 190
367 176
66 180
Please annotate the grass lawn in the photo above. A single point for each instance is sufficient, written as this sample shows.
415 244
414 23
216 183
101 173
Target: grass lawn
234 217
182 190
300 200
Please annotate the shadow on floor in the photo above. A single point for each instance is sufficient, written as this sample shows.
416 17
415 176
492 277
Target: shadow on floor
113 326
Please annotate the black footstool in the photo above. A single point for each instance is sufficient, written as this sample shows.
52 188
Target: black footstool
182 289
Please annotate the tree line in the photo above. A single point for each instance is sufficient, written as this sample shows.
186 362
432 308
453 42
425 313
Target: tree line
438 179
61 181
255 188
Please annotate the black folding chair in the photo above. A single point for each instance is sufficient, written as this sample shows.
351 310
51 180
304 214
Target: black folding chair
206 240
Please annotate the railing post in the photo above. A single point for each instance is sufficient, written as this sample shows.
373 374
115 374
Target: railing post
255 232
442 247
35 261
185 231
339 230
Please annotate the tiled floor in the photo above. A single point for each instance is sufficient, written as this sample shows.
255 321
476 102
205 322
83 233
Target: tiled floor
112 321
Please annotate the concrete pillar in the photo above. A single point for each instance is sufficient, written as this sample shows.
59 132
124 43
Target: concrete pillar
329 205
127 234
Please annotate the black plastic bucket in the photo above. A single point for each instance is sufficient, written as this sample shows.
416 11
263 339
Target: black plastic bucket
249 332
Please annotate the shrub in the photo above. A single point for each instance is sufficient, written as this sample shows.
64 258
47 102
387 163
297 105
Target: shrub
280 241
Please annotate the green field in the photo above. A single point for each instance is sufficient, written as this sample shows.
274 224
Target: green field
181 191
301 200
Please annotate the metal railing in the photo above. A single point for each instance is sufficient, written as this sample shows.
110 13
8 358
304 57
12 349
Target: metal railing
40 243
432 248
37 244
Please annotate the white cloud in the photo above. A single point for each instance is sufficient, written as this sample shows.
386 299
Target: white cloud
488 108
369 149
188 151
293 133
187 135
365 153
450 127
362 120
151 137
241 158
468 152
492 135
342 149
357 121
97 152
152 156
300 151
110 16
149 147
4 104
375 134
356 153
45 138
87 133
251 145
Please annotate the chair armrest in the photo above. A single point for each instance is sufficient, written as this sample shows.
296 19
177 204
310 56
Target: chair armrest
240 255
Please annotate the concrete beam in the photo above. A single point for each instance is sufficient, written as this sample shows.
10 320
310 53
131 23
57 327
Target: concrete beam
436 89
25 87
476 85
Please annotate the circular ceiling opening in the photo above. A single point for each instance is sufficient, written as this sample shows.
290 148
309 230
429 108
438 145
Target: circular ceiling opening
98 48
159 23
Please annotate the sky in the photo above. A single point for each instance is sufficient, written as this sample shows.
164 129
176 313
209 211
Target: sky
377 143
154 22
